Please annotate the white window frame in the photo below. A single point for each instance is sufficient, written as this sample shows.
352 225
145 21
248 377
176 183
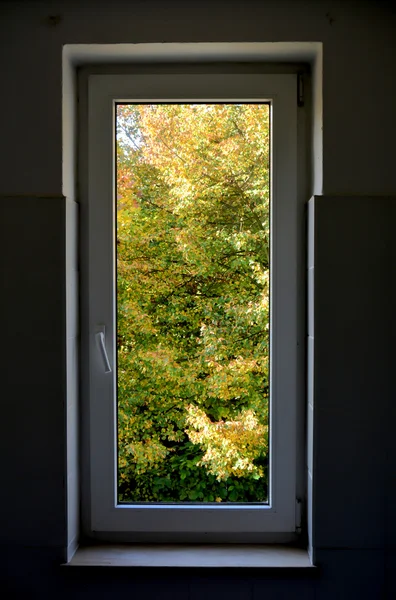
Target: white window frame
275 522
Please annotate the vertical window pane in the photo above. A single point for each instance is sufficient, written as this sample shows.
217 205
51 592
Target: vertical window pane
193 302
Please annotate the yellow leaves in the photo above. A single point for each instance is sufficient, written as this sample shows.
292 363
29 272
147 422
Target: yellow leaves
145 454
232 378
192 289
230 446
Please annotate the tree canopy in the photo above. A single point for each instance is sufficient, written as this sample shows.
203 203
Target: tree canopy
193 301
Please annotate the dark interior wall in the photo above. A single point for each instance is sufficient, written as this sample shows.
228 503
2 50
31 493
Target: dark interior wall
359 46
354 453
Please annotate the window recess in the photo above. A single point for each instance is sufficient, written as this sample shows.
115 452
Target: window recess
119 106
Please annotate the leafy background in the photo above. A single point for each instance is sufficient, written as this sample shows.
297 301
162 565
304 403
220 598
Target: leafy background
193 302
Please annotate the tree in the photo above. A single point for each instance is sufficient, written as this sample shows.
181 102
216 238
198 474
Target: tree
193 301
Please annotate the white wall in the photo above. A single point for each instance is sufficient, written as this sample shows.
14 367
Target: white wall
354 457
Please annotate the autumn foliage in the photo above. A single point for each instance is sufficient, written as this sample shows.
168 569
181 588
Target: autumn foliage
193 302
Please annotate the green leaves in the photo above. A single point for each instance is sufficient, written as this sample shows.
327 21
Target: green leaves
193 302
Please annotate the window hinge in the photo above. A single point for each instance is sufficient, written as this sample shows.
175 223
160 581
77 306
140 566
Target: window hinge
298 514
300 89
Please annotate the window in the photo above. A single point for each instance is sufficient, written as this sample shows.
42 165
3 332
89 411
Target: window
273 520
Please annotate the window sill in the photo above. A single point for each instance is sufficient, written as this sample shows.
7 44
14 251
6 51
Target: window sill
201 556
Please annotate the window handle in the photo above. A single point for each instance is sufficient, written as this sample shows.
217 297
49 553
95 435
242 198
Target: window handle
100 338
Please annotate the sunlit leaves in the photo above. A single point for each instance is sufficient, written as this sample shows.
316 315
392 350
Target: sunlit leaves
231 445
192 301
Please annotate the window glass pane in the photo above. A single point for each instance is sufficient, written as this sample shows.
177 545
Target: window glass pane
193 302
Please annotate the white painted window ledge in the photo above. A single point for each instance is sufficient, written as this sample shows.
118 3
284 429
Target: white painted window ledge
220 556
